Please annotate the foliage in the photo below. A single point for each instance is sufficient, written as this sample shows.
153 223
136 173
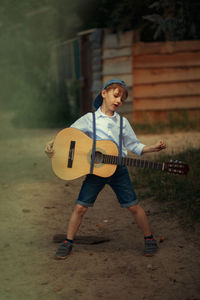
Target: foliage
27 32
179 194
114 14
174 19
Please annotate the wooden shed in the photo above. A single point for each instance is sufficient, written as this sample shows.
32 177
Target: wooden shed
163 78
117 63
65 71
103 56
166 80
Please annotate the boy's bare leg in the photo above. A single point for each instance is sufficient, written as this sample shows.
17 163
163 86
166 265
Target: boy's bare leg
75 220
150 244
141 219
74 223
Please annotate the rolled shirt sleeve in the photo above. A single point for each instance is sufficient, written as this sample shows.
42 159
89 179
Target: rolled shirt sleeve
130 140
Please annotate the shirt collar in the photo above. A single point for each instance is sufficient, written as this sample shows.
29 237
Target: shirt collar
99 113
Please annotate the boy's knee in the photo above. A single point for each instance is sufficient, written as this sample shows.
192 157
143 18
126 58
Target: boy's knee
134 209
81 209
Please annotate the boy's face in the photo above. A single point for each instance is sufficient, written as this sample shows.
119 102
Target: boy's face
112 99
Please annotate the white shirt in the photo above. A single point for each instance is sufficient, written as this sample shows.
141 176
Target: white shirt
108 128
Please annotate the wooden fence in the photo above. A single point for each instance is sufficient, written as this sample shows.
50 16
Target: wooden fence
166 80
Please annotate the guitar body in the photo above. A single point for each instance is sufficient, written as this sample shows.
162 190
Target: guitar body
72 155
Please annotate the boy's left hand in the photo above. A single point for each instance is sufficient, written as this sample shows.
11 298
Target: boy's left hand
155 147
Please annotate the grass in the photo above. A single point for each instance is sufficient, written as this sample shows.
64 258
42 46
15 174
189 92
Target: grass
181 194
171 127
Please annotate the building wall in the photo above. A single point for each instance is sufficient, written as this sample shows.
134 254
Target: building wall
166 79
117 63
163 78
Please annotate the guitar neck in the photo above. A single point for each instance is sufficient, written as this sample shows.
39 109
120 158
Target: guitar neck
132 162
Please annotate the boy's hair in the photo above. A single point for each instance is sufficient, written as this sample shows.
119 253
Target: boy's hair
120 87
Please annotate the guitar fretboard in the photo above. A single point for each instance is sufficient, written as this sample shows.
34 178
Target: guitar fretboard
132 162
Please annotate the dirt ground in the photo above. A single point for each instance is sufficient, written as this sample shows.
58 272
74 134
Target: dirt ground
35 205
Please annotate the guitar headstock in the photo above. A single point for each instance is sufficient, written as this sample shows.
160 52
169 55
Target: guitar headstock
176 167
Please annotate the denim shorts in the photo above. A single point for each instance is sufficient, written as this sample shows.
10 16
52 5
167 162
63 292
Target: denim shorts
120 182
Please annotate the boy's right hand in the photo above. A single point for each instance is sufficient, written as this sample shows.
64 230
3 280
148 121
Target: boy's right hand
49 149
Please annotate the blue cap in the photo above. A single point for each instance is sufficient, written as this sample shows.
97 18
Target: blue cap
98 100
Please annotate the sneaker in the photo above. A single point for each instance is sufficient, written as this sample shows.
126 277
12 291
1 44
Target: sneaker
150 247
64 250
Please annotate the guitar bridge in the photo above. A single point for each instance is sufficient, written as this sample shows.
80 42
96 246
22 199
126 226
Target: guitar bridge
71 154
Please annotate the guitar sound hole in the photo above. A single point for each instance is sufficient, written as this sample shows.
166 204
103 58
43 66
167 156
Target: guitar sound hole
98 157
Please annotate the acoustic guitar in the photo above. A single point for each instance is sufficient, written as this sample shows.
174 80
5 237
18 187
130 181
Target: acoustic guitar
73 153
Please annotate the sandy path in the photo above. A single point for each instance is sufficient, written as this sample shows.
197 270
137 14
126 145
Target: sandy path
35 205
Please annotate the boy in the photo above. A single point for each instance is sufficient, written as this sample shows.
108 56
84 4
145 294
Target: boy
111 97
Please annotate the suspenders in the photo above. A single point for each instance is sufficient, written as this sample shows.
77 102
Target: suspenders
94 142
120 140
